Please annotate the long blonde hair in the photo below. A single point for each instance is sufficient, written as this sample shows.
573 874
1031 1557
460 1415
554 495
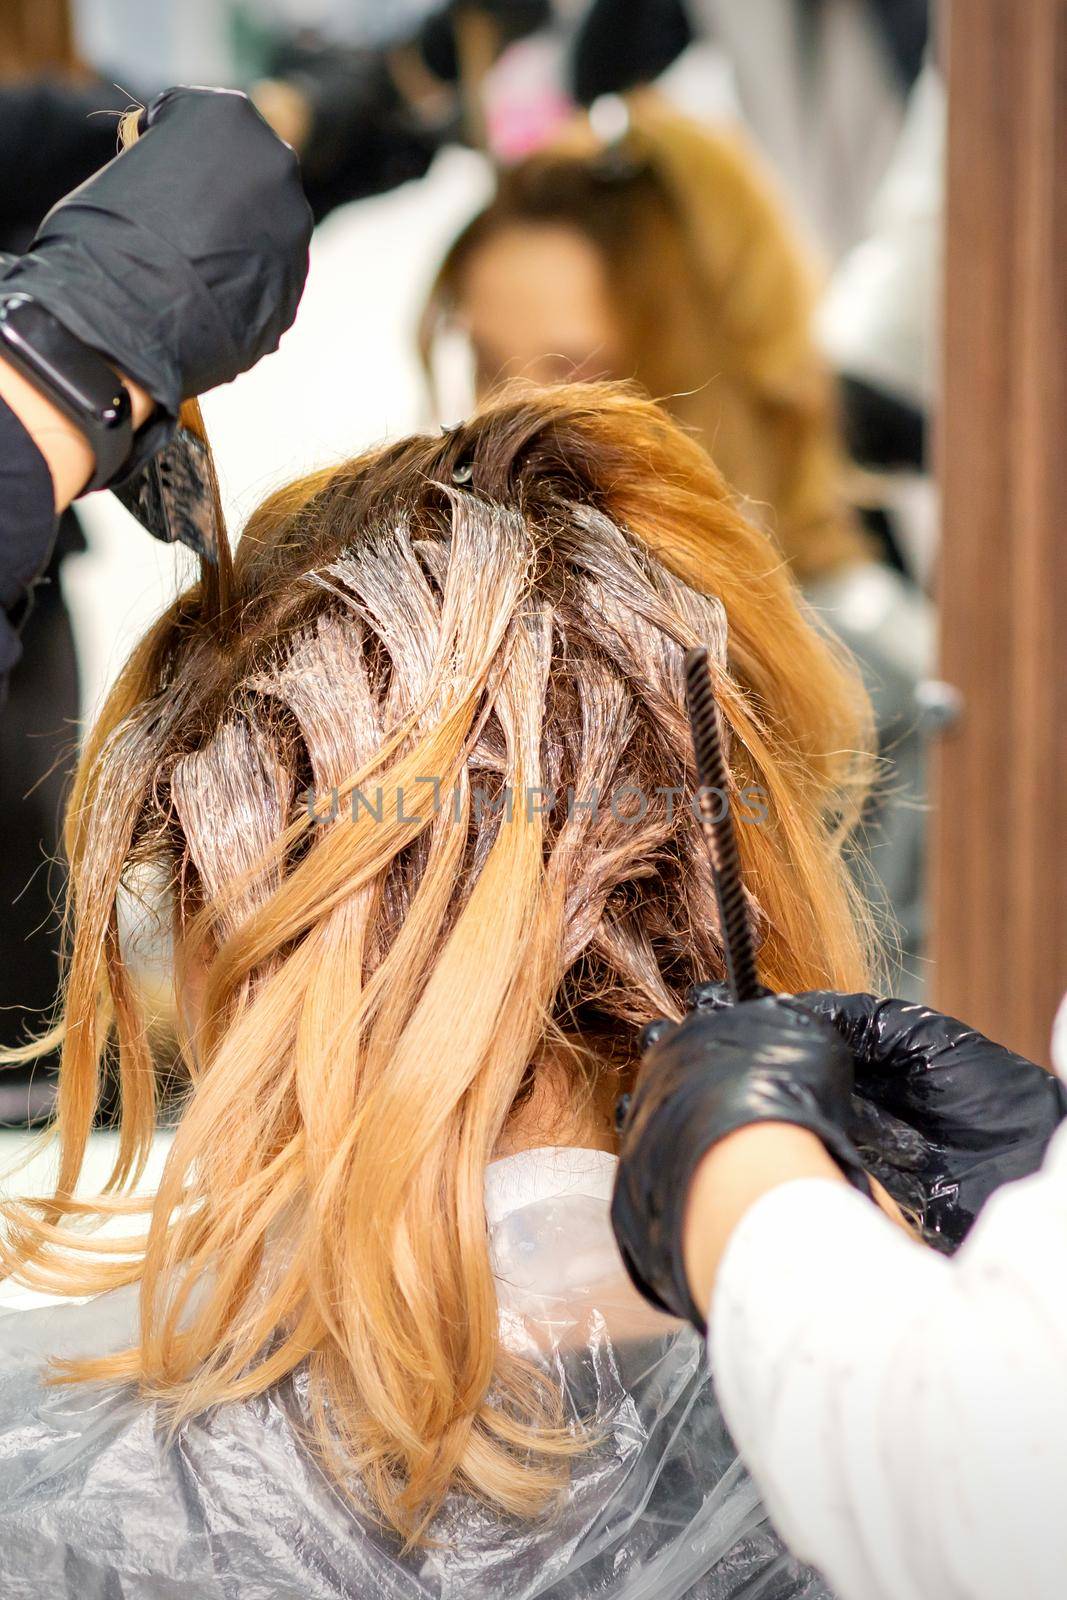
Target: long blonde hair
714 294
502 608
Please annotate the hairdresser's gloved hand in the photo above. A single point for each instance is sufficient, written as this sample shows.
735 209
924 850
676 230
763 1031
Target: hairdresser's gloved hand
983 1115
183 260
767 1060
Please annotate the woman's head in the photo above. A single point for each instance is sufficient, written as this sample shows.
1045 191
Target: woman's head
666 258
469 651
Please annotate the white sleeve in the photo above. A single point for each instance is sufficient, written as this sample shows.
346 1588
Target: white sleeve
904 1415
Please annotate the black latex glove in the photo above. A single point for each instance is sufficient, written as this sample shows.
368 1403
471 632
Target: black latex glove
767 1060
983 1115
183 260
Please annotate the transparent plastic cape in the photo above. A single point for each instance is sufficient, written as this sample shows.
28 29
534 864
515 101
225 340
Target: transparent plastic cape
94 1506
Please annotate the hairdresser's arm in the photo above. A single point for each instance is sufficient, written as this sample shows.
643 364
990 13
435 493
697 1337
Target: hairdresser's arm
67 452
45 462
905 1417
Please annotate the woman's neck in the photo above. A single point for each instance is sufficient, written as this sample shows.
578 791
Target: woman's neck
557 1112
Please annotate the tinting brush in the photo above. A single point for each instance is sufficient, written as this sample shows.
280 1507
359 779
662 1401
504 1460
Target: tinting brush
717 822
175 496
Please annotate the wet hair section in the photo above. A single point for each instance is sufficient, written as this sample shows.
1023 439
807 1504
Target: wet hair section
579 601
232 799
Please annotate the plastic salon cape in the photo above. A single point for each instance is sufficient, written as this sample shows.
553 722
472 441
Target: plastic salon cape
94 1506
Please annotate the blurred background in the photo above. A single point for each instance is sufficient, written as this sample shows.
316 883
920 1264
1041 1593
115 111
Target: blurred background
737 204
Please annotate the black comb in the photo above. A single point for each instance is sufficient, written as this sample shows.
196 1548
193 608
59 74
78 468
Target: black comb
717 821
